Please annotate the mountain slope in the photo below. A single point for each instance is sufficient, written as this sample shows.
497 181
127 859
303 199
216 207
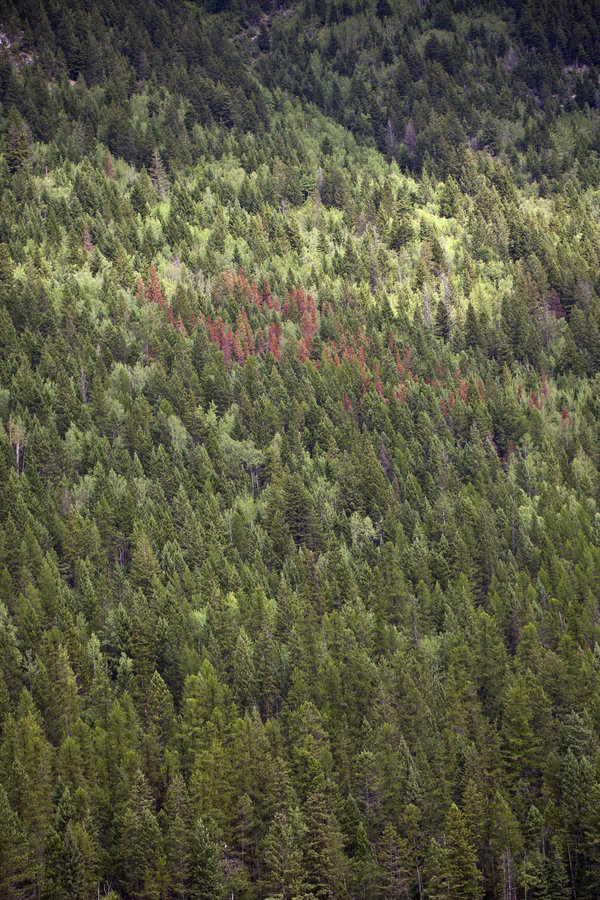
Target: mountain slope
299 443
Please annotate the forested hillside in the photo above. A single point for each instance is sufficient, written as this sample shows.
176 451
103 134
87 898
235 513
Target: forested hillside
299 450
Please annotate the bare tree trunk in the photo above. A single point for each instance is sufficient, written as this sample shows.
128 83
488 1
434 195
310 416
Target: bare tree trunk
84 392
420 881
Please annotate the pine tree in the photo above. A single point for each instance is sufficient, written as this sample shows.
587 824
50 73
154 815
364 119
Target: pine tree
206 877
140 850
160 710
365 868
438 886
473 337
17 870
392 861
414 848
299 512
73 874
6 273
244 676
283 854
521 742
463 875
17 148
158 175
177 838
442 321
54 858
450 199
324 861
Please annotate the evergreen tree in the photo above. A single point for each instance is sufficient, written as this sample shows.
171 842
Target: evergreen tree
206 879
464 878
17 873
324 860
442 321
17 148
283 854
142 863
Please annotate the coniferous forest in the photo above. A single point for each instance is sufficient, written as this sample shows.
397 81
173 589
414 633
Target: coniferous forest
300 450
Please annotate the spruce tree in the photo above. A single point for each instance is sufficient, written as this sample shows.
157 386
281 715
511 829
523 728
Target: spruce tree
17 148
463 874
206 880
17 871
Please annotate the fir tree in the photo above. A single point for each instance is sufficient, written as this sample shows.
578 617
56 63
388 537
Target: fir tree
206 879
17 148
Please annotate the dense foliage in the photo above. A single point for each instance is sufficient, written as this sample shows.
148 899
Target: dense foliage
300 449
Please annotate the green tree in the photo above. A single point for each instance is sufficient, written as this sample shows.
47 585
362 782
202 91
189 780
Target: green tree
299 512
142 863
442 321
283 854
450 199
160 710
178 837
17 148
17 872
73 872
521 741
464 877
244 675
325 864
206 878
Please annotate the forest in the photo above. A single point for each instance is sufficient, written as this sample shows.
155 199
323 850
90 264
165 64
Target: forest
300 450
